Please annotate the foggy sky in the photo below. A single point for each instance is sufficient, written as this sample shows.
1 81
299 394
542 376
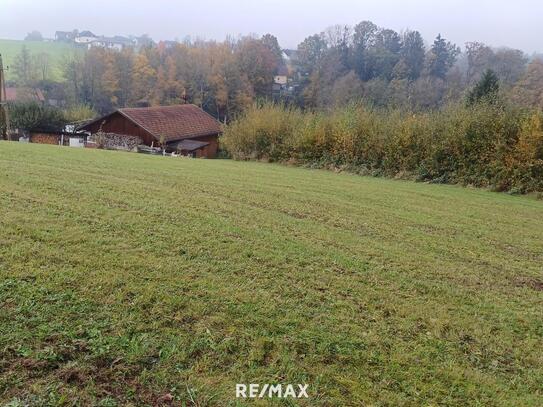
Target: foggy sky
515 24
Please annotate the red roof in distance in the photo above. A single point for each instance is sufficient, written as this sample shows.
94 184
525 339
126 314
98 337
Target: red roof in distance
24 95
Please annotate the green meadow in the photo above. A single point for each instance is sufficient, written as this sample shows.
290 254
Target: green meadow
57 52
128 279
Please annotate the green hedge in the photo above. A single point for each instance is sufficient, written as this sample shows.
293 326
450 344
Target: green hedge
483 145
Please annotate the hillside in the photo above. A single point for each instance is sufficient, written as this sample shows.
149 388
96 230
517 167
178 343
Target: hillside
56 50
127 278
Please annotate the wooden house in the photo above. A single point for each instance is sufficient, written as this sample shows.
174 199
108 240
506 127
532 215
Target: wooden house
182 128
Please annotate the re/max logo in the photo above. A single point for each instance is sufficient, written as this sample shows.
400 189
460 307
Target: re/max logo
254 391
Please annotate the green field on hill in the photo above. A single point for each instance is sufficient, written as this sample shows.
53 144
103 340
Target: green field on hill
128 279
57 52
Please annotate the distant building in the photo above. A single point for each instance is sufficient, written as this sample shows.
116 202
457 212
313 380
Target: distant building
280 79
89 39
142 41
85 37
21 94
290 55
280 82
116 43
66 36
282 74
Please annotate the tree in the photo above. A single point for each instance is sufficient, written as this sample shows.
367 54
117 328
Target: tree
401 70
412 53
480 58
270 42
79 113
346 89
24 68
339 39
32 116
427 92
193 68
124 62
34 36
259 63
73 76
363 41
170 87
231 90
43 65
111 81
486 90
509 65
398 92
92 86
528 91
143 78
310 53
441 57
364 35
318 93
385 53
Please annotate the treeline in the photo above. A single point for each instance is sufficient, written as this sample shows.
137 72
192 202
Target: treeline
485 144
222 77
386 68
334 68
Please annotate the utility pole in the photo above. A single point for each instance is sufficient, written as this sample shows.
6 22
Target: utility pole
4 115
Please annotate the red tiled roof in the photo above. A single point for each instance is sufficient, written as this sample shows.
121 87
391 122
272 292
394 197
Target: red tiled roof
173 122
24 94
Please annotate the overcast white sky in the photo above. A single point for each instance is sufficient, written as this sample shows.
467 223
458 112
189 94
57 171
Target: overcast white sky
517 24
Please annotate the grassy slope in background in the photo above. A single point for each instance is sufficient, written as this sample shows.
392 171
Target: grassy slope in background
57 52
126 277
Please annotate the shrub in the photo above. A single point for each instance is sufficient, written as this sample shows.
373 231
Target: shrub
487 145
79 113
34 116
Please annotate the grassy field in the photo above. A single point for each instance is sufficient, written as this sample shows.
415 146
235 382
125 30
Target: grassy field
128 279
57 52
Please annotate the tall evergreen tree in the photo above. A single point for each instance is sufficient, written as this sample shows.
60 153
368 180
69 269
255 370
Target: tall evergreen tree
486 90
412 53
442 57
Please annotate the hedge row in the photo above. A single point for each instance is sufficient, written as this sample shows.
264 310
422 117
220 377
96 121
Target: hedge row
484 145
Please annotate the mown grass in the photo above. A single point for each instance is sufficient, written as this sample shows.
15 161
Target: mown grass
57 52
125 278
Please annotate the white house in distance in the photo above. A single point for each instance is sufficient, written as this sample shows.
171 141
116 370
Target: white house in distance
116 43
88 39
85 37
281 76
280 79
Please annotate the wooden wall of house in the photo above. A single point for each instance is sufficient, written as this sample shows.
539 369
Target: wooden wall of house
209 151
119 124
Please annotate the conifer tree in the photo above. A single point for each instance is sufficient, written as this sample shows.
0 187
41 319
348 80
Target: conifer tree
486 90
